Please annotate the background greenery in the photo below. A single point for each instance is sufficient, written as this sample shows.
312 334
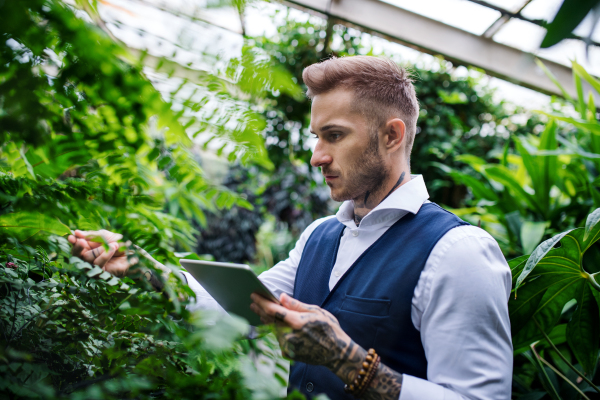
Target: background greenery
88 142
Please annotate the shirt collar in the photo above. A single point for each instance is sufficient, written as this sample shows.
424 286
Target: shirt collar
407 198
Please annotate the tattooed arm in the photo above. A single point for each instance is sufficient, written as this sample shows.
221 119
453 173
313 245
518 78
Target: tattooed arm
312 335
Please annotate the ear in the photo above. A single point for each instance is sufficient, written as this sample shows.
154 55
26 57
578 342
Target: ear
394 135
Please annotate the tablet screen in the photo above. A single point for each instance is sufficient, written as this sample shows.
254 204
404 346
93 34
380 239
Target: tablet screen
230 285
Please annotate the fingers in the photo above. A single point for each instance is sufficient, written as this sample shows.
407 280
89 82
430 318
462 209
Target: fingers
293 304
264 317
108 236
119 266
79 247
276 312
104 256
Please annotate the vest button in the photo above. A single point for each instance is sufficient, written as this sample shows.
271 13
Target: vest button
310 387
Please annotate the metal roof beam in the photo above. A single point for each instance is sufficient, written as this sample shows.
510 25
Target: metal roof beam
434 37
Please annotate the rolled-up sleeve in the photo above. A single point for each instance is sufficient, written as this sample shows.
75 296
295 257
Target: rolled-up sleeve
460 308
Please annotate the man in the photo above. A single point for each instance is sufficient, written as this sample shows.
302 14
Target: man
390 271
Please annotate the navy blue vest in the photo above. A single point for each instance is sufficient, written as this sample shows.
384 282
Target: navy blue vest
373 300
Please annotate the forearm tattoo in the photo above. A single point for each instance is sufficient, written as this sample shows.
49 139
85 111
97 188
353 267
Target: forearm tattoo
386 384
321 341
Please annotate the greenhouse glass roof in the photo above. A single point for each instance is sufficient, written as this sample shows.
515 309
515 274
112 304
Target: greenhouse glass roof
500 36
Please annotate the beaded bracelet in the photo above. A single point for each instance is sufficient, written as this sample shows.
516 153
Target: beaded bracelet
369 378
366 374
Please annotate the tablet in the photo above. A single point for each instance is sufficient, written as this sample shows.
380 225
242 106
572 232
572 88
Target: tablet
230 285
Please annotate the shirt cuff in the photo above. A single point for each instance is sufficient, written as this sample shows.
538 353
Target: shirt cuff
414 388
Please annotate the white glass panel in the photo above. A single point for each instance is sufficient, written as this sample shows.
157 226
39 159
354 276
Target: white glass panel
521 35
583 29
461 14
542 9
163 34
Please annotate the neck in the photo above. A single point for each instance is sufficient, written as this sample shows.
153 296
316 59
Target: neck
364 203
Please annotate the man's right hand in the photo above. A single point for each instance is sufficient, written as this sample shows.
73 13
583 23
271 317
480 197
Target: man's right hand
88 245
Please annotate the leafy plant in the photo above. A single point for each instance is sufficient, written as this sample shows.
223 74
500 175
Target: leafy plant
550 282
547 184
86 141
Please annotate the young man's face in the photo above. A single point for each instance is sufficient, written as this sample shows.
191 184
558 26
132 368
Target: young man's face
348 148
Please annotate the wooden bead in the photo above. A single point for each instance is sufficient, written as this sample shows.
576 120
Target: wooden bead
351 387
362 372
369 358
371 351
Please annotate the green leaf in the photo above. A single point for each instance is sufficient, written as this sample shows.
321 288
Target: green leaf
504 176
551 76
548 309
583 329
558 278
579 70
538 254
453 98
591 222
531 235
24 225
580 99
570 14
593 127
479 189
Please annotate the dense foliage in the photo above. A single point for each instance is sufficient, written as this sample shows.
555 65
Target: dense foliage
86 141
547 186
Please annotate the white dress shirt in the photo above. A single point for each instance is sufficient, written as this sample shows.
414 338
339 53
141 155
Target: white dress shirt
459 305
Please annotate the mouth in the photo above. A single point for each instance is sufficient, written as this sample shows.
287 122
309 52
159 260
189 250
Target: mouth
330 178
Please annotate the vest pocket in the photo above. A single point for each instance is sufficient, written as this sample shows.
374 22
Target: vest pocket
370 307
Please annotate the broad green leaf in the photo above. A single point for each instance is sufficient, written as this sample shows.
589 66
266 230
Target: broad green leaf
537 255
558 278
548 309
479 189
583 329
504 176
591 221
570 14
23 225
541 168
531 235
477 163
516 266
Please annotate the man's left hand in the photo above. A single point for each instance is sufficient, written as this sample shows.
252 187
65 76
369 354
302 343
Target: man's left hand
306 333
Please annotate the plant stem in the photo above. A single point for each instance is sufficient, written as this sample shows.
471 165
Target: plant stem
593 282
589 382
561 375
537 358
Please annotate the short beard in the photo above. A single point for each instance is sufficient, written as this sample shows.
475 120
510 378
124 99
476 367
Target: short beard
367 173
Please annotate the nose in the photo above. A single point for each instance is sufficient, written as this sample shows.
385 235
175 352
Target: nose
320 155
